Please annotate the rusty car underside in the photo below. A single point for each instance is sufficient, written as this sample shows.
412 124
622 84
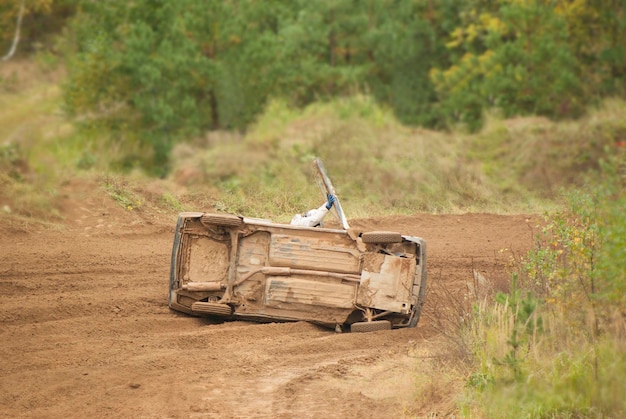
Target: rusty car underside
227 266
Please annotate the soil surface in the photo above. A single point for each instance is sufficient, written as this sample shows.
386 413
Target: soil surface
85 330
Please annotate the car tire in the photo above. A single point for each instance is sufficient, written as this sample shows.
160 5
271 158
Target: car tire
381 237
222 220
370 326
214 309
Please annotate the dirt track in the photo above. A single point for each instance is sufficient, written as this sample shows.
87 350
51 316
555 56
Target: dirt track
86 331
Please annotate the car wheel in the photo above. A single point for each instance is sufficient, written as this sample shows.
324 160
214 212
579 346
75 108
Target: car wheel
381 237
370 326
224 220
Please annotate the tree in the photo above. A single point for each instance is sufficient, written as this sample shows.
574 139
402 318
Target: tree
405 40
597 31
156 71
383 47
516 58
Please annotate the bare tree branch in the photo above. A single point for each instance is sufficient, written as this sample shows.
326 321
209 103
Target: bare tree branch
16 38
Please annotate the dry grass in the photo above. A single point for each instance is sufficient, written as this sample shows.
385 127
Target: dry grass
439 381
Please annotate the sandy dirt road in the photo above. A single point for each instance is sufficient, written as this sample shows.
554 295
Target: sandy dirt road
85 330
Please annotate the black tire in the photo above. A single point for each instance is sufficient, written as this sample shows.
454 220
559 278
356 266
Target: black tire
370 326
381 237
223 220
214 309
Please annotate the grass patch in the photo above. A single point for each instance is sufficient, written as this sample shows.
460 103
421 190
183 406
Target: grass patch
382 167
27 202
170 202
119 190
149 199
527 156
378 166
25 197
553 374
555 345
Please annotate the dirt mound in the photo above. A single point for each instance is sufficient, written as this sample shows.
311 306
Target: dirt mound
86 330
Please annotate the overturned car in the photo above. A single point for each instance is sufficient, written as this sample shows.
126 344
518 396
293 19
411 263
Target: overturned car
234 267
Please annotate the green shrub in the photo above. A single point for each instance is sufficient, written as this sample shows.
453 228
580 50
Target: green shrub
560 350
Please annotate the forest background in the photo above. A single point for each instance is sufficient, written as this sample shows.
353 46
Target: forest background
414 105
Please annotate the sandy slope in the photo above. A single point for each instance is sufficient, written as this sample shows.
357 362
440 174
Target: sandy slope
85 330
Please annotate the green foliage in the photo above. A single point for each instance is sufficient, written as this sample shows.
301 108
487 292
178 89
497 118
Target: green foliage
570 362
501 337
170 202
573 240
577 267
611 257
526 323
596 30
568 381
157 73
515 58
